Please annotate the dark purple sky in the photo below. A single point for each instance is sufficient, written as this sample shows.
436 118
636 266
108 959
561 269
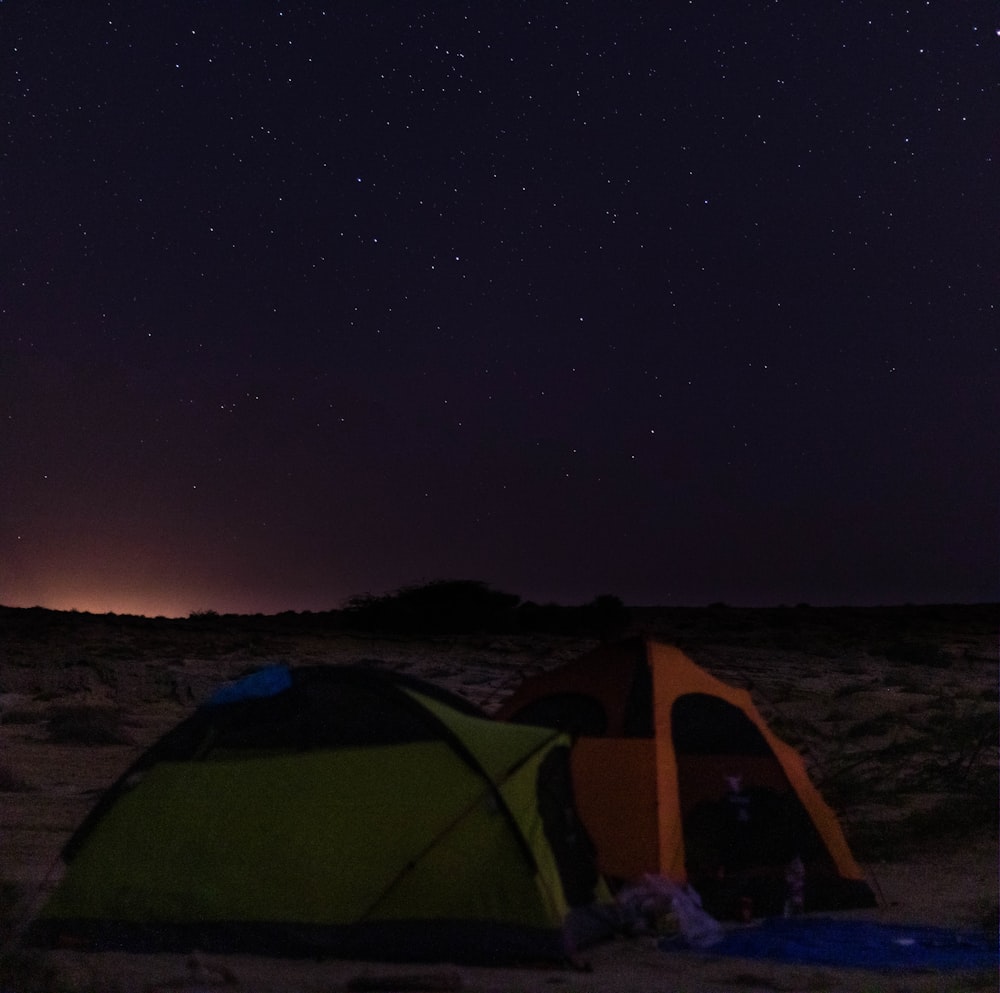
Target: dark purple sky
680 302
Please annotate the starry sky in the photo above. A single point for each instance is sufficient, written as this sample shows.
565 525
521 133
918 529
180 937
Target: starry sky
681 302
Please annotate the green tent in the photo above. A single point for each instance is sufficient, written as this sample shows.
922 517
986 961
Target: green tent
340 811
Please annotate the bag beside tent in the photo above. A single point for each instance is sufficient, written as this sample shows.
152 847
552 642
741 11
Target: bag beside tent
339 811
677 773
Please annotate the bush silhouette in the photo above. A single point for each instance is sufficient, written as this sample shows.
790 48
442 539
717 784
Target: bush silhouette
82 724
446 605
466 606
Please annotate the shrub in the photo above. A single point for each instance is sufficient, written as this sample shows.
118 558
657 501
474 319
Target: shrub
920 653
11 896
22 969
442 606
468 606
21 715
872 727
86 725
10 781
849 689
954 817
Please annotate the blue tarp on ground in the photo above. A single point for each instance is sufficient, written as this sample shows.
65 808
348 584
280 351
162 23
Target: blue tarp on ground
858 944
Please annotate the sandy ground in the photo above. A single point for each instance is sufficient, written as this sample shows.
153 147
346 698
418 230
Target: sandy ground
49 786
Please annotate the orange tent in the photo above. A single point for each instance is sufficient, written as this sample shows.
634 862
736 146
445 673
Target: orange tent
660 744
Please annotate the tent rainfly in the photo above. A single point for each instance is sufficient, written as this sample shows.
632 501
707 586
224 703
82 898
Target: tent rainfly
339 811
677 773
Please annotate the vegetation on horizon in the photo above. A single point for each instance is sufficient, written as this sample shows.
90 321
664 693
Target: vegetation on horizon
459 606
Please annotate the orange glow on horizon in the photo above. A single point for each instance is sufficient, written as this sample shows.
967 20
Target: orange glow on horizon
148 605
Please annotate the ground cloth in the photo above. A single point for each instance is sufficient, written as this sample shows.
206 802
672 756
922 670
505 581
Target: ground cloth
858 944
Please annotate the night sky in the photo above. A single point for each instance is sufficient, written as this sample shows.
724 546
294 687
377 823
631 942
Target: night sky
681 302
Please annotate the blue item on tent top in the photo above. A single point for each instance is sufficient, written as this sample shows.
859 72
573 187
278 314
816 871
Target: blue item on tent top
267 682
857 944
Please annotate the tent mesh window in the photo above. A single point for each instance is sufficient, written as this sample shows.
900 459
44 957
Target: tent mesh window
707 725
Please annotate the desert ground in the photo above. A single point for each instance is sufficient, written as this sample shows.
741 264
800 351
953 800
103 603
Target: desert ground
894 708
